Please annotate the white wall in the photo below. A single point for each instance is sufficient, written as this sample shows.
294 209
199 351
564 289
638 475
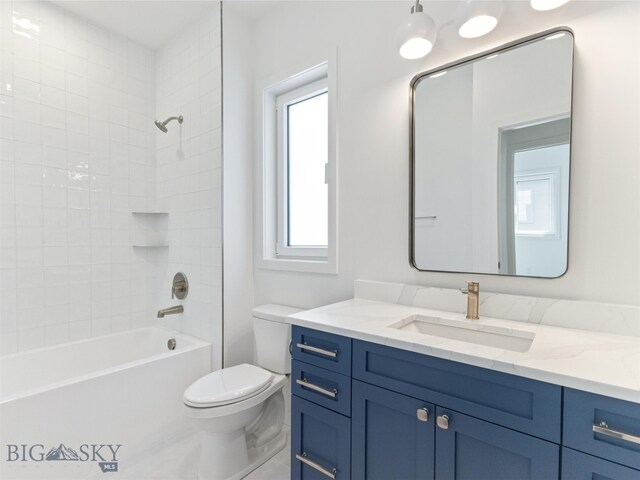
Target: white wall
238 200
77 158
373 82
444 148
188 83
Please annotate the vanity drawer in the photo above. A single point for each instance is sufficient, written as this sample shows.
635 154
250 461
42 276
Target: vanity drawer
580 466
318 385
594 424
325 350
320 442
518 403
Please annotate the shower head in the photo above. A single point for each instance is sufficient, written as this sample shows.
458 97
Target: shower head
163 125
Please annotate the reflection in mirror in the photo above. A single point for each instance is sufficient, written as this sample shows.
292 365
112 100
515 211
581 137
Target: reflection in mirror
490 155
534 199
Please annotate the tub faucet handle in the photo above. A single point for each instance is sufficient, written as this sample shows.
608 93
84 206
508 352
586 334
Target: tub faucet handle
180 286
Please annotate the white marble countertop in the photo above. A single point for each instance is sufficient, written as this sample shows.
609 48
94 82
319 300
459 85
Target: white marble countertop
596 362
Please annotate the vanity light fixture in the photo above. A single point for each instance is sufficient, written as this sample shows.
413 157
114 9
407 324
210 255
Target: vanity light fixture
478 26
478 17
544 5
417 34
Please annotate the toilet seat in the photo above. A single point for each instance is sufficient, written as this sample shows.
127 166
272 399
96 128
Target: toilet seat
227 386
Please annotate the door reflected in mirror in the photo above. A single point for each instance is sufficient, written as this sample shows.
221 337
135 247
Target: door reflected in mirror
533 209
491 145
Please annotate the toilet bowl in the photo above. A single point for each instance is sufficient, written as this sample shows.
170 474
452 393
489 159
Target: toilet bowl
241 409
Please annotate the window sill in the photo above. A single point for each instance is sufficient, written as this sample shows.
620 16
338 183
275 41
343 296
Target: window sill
323 266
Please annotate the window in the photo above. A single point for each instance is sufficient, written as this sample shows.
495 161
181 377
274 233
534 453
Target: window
299 167
302 156
535 204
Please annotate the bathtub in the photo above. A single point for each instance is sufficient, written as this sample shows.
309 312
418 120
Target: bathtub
96 405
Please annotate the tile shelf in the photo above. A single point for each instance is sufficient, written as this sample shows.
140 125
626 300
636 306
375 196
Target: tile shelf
149 213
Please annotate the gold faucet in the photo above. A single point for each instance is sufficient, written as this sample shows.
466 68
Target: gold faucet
473 299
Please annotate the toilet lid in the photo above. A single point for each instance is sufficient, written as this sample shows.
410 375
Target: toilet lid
228 385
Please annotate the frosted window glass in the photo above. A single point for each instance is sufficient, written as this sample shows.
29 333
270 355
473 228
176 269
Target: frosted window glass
535 207
307 200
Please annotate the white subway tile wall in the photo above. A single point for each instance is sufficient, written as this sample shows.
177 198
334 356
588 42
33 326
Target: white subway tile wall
188 83
79 152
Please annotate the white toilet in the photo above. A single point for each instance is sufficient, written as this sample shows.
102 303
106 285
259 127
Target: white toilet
241 409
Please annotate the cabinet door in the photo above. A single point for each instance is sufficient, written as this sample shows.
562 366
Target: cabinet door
392 435
320 442
472 449
580 466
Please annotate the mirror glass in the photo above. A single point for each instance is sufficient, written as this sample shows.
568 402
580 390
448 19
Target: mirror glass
491 145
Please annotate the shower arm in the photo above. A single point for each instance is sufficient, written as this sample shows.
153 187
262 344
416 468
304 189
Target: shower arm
180 119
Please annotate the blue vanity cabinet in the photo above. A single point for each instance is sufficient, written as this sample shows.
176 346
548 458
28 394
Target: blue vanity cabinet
320 442
471 449
392 435
386 413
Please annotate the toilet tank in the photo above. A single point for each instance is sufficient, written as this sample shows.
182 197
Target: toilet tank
272 336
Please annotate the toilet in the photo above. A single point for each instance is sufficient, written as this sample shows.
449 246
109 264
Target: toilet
241 409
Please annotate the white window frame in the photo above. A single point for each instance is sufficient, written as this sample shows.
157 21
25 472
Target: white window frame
552 176
267 254
283 101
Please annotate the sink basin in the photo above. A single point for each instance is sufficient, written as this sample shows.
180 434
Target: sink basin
467 331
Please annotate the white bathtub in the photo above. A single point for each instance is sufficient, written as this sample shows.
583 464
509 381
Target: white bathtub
121 389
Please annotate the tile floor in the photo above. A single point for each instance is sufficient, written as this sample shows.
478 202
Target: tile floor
179 461
276 468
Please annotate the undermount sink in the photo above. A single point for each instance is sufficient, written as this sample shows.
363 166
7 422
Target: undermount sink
466 331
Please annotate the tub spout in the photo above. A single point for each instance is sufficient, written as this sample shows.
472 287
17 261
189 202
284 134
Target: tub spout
170 311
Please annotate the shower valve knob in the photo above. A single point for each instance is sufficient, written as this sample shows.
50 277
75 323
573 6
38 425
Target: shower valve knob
180 286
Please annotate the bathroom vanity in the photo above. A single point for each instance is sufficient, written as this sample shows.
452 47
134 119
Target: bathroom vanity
388 391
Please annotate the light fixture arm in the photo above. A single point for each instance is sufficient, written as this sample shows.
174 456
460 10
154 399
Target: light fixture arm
417 8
